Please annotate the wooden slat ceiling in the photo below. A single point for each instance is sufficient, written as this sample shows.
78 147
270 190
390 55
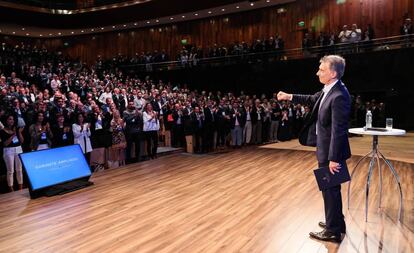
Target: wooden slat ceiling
108 16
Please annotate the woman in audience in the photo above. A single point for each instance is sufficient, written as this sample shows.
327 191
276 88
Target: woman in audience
118 139
62 134
100 128
40 133
105 95
81 133
151 127
12 139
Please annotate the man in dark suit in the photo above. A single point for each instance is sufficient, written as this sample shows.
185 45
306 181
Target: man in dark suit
209 125
197 121
332 107
237 122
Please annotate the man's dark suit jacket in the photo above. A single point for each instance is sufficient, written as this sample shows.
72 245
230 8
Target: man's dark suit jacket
332 123
241 118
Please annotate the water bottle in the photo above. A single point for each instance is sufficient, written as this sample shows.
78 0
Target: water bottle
368 119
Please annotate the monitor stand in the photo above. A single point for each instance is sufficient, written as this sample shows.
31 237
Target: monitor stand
67 187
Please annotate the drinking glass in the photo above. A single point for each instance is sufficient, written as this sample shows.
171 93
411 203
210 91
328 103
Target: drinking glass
388 123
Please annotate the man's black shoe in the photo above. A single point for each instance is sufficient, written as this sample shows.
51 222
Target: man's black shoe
326 236
322 224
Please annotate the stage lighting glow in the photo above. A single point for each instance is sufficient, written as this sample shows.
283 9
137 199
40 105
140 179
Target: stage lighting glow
318 22
281 10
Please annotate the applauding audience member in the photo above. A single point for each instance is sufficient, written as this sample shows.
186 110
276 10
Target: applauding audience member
81 133
12 139
151 127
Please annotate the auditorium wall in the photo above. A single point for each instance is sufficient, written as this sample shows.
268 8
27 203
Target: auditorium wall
329 16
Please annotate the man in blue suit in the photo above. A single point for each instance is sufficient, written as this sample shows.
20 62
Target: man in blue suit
331 112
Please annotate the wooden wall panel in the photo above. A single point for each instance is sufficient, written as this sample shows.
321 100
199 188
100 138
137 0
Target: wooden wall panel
386 17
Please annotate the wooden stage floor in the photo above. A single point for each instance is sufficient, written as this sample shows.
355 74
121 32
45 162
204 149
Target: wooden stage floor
257 199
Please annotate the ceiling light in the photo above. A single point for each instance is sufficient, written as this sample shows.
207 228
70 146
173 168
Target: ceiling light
135 23
148 22
59 33
124 25
224 9
92 30
157 21
267 1
251 4
102 28
23 29
209 12
50 34
82 31
14 32
113 26
171 18
41 35
27 34
196 14
72 32
183 16
237 7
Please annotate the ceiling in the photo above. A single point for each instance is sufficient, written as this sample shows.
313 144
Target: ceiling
31 23
66 4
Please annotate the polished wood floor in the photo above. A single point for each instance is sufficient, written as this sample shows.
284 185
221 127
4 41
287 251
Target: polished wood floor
248 200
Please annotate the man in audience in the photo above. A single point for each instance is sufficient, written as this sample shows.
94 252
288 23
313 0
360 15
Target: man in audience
133 131
197 122
344 35
406 30
237 121
407 27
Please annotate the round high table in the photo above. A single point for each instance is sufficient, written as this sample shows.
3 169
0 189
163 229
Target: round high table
376 155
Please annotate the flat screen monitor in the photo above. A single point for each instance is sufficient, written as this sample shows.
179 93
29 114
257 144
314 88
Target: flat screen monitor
49 167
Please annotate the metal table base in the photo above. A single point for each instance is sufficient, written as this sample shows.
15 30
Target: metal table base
376 157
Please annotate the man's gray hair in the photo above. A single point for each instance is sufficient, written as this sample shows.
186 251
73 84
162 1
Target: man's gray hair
336 63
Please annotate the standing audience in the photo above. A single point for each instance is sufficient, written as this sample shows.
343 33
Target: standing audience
12 138
151 127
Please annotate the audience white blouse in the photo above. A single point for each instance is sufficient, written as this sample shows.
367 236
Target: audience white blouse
150 123
81 137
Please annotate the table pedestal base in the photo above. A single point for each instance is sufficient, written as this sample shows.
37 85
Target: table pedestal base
376 157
